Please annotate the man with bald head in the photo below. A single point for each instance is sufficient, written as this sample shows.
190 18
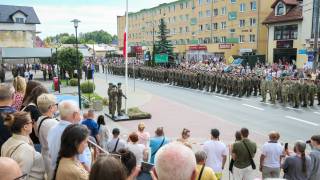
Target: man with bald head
175 160
9 169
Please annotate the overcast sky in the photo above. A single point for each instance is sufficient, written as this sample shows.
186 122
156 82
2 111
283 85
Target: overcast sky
55 15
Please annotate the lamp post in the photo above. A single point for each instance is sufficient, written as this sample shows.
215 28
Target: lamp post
76 23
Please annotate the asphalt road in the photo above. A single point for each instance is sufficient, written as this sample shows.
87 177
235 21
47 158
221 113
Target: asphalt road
293 124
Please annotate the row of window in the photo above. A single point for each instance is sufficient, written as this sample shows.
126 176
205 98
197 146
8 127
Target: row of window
222 39
223 25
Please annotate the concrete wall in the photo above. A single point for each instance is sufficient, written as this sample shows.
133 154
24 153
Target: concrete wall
17 38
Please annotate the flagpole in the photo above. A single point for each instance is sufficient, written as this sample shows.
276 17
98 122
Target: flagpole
126 55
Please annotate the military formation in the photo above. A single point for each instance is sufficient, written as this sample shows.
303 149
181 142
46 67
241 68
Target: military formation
284 90
115 94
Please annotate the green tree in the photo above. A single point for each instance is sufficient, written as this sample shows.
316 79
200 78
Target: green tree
68 60
163 45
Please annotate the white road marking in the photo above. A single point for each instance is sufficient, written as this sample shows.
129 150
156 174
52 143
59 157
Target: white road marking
294 108
317 113
268 103
301 120
254 107
221 98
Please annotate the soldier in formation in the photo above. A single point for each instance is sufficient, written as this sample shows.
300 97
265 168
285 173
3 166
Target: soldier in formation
295 92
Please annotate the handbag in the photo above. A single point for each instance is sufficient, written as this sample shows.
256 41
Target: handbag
253 165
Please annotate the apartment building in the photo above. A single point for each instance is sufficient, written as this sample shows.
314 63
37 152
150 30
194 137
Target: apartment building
202 29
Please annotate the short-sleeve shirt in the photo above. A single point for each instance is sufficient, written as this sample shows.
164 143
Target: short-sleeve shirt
207 173
155 143
215 151
112 145
243 157
272 152
92 126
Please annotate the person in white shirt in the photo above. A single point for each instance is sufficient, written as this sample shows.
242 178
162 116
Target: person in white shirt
115 143
69 114
270 159
47 106
139 150
216 153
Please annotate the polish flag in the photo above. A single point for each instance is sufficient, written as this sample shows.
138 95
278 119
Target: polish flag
124 44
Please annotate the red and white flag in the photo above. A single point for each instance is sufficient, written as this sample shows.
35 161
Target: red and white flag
124 44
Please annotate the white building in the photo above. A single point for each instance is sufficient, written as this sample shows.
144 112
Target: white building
17 26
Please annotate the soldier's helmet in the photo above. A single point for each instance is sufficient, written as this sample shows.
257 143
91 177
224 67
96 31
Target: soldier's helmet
119 84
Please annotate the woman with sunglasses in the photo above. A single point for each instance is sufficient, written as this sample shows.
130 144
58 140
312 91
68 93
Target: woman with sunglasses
19 147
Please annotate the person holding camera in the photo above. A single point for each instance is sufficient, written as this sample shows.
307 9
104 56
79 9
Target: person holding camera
315 157
297 166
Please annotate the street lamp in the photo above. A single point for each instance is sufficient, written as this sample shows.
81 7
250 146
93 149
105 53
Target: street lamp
76 24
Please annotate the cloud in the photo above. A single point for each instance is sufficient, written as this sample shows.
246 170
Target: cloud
56 19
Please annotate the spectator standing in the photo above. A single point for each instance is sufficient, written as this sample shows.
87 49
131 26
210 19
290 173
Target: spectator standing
18 146
270 158
19 85
315 157
47 106
104 132
69 114
73 142
203 172
237 139
107 168
216 153
115 143
139 150
92 125
30 86
6 100
129 161
185 135
243 153
175 160
298 166
157 142
9 169
144 137
32 108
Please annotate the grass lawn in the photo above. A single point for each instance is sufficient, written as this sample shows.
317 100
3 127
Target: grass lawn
92 96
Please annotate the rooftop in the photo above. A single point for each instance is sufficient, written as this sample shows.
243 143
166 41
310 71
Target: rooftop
6 11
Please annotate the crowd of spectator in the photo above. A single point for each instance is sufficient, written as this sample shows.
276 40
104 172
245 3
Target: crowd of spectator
37 145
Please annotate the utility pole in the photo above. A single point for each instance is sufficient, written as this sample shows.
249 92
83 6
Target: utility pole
316 5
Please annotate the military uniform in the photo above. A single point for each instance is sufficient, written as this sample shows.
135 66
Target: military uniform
263 87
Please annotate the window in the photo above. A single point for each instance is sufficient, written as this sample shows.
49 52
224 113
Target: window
181 5
233 1
223 10
223 39
187 17
208 1
253 5
186 4
208 27
169 20
215 40
215 12
19 20
206 40
181 18
286 32
200 2
174 30
241 39
201 27
174 19
200 14
181 30
242 7
186 29
232 30
252 21
223 25
252 38
242 23
215 26
280 9
174 8
208 13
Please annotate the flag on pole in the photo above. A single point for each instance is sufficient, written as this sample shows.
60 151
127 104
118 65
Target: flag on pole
125 43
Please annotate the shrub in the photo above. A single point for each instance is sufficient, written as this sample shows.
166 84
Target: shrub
105 101
73 82
87 87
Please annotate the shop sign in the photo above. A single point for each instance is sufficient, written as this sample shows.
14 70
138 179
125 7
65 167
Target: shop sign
161 58
225 46
198 48
285 44
232 40
245 50
137 49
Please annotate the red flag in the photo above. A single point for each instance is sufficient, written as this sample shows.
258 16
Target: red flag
124 44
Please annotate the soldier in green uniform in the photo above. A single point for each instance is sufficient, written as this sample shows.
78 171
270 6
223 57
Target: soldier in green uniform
296 93
113 100
285 91
304 92
311 92
109 95
119 97
263 87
